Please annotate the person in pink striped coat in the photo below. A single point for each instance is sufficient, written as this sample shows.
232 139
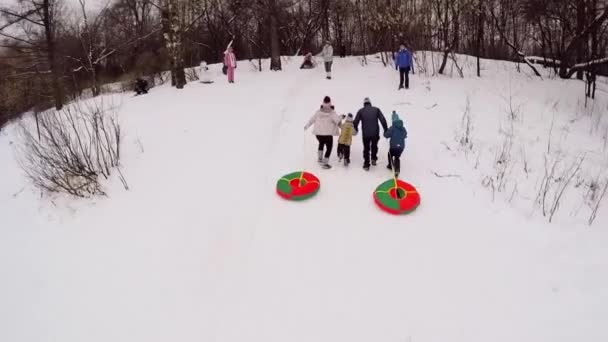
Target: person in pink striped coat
230 63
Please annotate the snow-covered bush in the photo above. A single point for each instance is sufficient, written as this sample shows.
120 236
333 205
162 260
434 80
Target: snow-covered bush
69 150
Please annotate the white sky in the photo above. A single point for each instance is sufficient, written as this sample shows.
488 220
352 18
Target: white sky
91 4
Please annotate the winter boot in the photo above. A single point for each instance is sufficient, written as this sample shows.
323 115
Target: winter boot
374 162
320 156
366 166
325 163
346 162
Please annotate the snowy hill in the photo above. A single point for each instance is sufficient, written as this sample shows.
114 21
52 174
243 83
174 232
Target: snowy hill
202 249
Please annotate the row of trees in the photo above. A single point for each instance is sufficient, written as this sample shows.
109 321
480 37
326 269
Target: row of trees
50 52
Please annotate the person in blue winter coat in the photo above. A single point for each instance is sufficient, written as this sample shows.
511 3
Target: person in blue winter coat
403 63
396 135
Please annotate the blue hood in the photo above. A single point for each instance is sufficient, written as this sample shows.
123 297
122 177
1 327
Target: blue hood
395 117
397 134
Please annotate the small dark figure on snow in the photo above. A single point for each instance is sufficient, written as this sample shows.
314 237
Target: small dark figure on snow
369 116
308 62
326 123
141 86
396 135
347 130
403 63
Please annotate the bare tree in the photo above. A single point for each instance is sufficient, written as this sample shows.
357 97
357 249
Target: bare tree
42 17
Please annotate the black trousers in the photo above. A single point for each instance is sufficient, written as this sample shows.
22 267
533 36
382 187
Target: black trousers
404 77
393 158
328 66
370 149
344 151
326 141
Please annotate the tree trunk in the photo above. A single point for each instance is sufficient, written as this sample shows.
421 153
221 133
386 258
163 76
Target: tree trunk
580 23
173 42
325 19
566 56
52 59
362 32
479 35
444 62
339 31
448 46
594 47
275 48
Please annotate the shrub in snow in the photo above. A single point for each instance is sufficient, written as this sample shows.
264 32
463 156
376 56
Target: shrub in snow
71 150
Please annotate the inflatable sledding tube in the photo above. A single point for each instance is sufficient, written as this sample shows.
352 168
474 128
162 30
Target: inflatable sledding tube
298 186
396 197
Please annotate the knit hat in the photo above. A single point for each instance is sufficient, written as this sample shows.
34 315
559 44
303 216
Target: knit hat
367 100
395 116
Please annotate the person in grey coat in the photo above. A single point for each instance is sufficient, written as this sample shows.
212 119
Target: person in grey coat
328 57
369 117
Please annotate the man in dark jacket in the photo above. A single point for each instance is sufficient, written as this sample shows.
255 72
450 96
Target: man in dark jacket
369 116
403 63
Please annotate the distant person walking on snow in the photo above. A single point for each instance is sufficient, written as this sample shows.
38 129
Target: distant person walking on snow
326 123
369 116
328 57
396 135
230 63
347 130
403 63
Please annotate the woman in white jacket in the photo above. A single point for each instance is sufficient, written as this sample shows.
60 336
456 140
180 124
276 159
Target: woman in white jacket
327 124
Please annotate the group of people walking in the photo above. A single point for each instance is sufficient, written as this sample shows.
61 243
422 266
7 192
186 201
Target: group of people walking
402 59
328 124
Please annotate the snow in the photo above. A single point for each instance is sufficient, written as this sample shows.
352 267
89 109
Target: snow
539 59
202 249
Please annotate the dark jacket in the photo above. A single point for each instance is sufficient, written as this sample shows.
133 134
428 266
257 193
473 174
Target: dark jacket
403 59
369 117
397 134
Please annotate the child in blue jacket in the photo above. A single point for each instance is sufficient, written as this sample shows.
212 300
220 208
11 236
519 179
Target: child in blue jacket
397 135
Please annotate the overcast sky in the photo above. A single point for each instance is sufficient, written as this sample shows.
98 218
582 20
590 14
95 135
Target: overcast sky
91 4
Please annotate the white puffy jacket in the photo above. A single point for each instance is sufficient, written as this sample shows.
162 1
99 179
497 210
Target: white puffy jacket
327 53
326 122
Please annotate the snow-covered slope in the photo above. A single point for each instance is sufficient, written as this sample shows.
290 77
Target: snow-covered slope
201 248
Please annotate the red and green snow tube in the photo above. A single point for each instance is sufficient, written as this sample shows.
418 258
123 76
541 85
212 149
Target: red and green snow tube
298 186
397 197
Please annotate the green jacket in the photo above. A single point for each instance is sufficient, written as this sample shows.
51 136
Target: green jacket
346 134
